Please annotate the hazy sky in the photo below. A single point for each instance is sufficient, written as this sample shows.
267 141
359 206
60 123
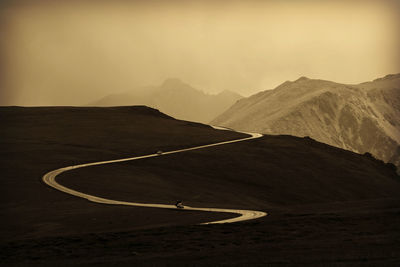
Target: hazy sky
73 52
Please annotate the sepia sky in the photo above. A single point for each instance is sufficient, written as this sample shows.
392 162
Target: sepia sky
74 52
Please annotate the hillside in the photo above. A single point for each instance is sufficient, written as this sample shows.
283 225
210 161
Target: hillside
176 99
326 205
361 118
36 140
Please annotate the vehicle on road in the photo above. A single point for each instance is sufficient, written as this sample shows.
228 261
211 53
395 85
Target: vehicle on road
159 152
179 204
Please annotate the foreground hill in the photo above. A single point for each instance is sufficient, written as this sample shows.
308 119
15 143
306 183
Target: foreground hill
34 141
176 99
326 205
361 118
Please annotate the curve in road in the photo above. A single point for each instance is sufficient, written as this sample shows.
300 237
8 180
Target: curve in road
244 215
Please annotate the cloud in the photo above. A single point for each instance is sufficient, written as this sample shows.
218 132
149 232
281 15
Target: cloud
69 53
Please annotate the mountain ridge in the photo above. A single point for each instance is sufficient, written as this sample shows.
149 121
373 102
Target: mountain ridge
175 98
363 117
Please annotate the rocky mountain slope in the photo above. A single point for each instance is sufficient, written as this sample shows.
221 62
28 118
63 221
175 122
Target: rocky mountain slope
362 118
176 99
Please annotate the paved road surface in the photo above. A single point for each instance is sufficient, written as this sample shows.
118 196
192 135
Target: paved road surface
244 215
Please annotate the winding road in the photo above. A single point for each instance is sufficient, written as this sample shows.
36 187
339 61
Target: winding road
244 215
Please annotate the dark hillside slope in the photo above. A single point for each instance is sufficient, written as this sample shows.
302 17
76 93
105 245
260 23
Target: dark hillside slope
271 172
34 141
327 206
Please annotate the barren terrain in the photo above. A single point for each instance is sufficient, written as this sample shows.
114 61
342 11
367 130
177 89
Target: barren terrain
326 206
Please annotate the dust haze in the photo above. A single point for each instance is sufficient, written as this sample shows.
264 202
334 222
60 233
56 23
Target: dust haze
72 52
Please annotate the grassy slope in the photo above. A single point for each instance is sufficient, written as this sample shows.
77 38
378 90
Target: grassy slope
34 141
326 205
271 172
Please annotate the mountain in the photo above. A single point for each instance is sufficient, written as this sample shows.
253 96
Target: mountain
361 118
176 99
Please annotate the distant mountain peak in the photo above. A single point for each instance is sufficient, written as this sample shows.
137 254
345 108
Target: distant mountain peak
173 82
175 98
302 78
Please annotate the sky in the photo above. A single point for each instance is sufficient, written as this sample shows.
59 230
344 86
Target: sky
74 52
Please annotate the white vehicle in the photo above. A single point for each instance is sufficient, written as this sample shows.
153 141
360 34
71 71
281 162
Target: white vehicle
159 152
